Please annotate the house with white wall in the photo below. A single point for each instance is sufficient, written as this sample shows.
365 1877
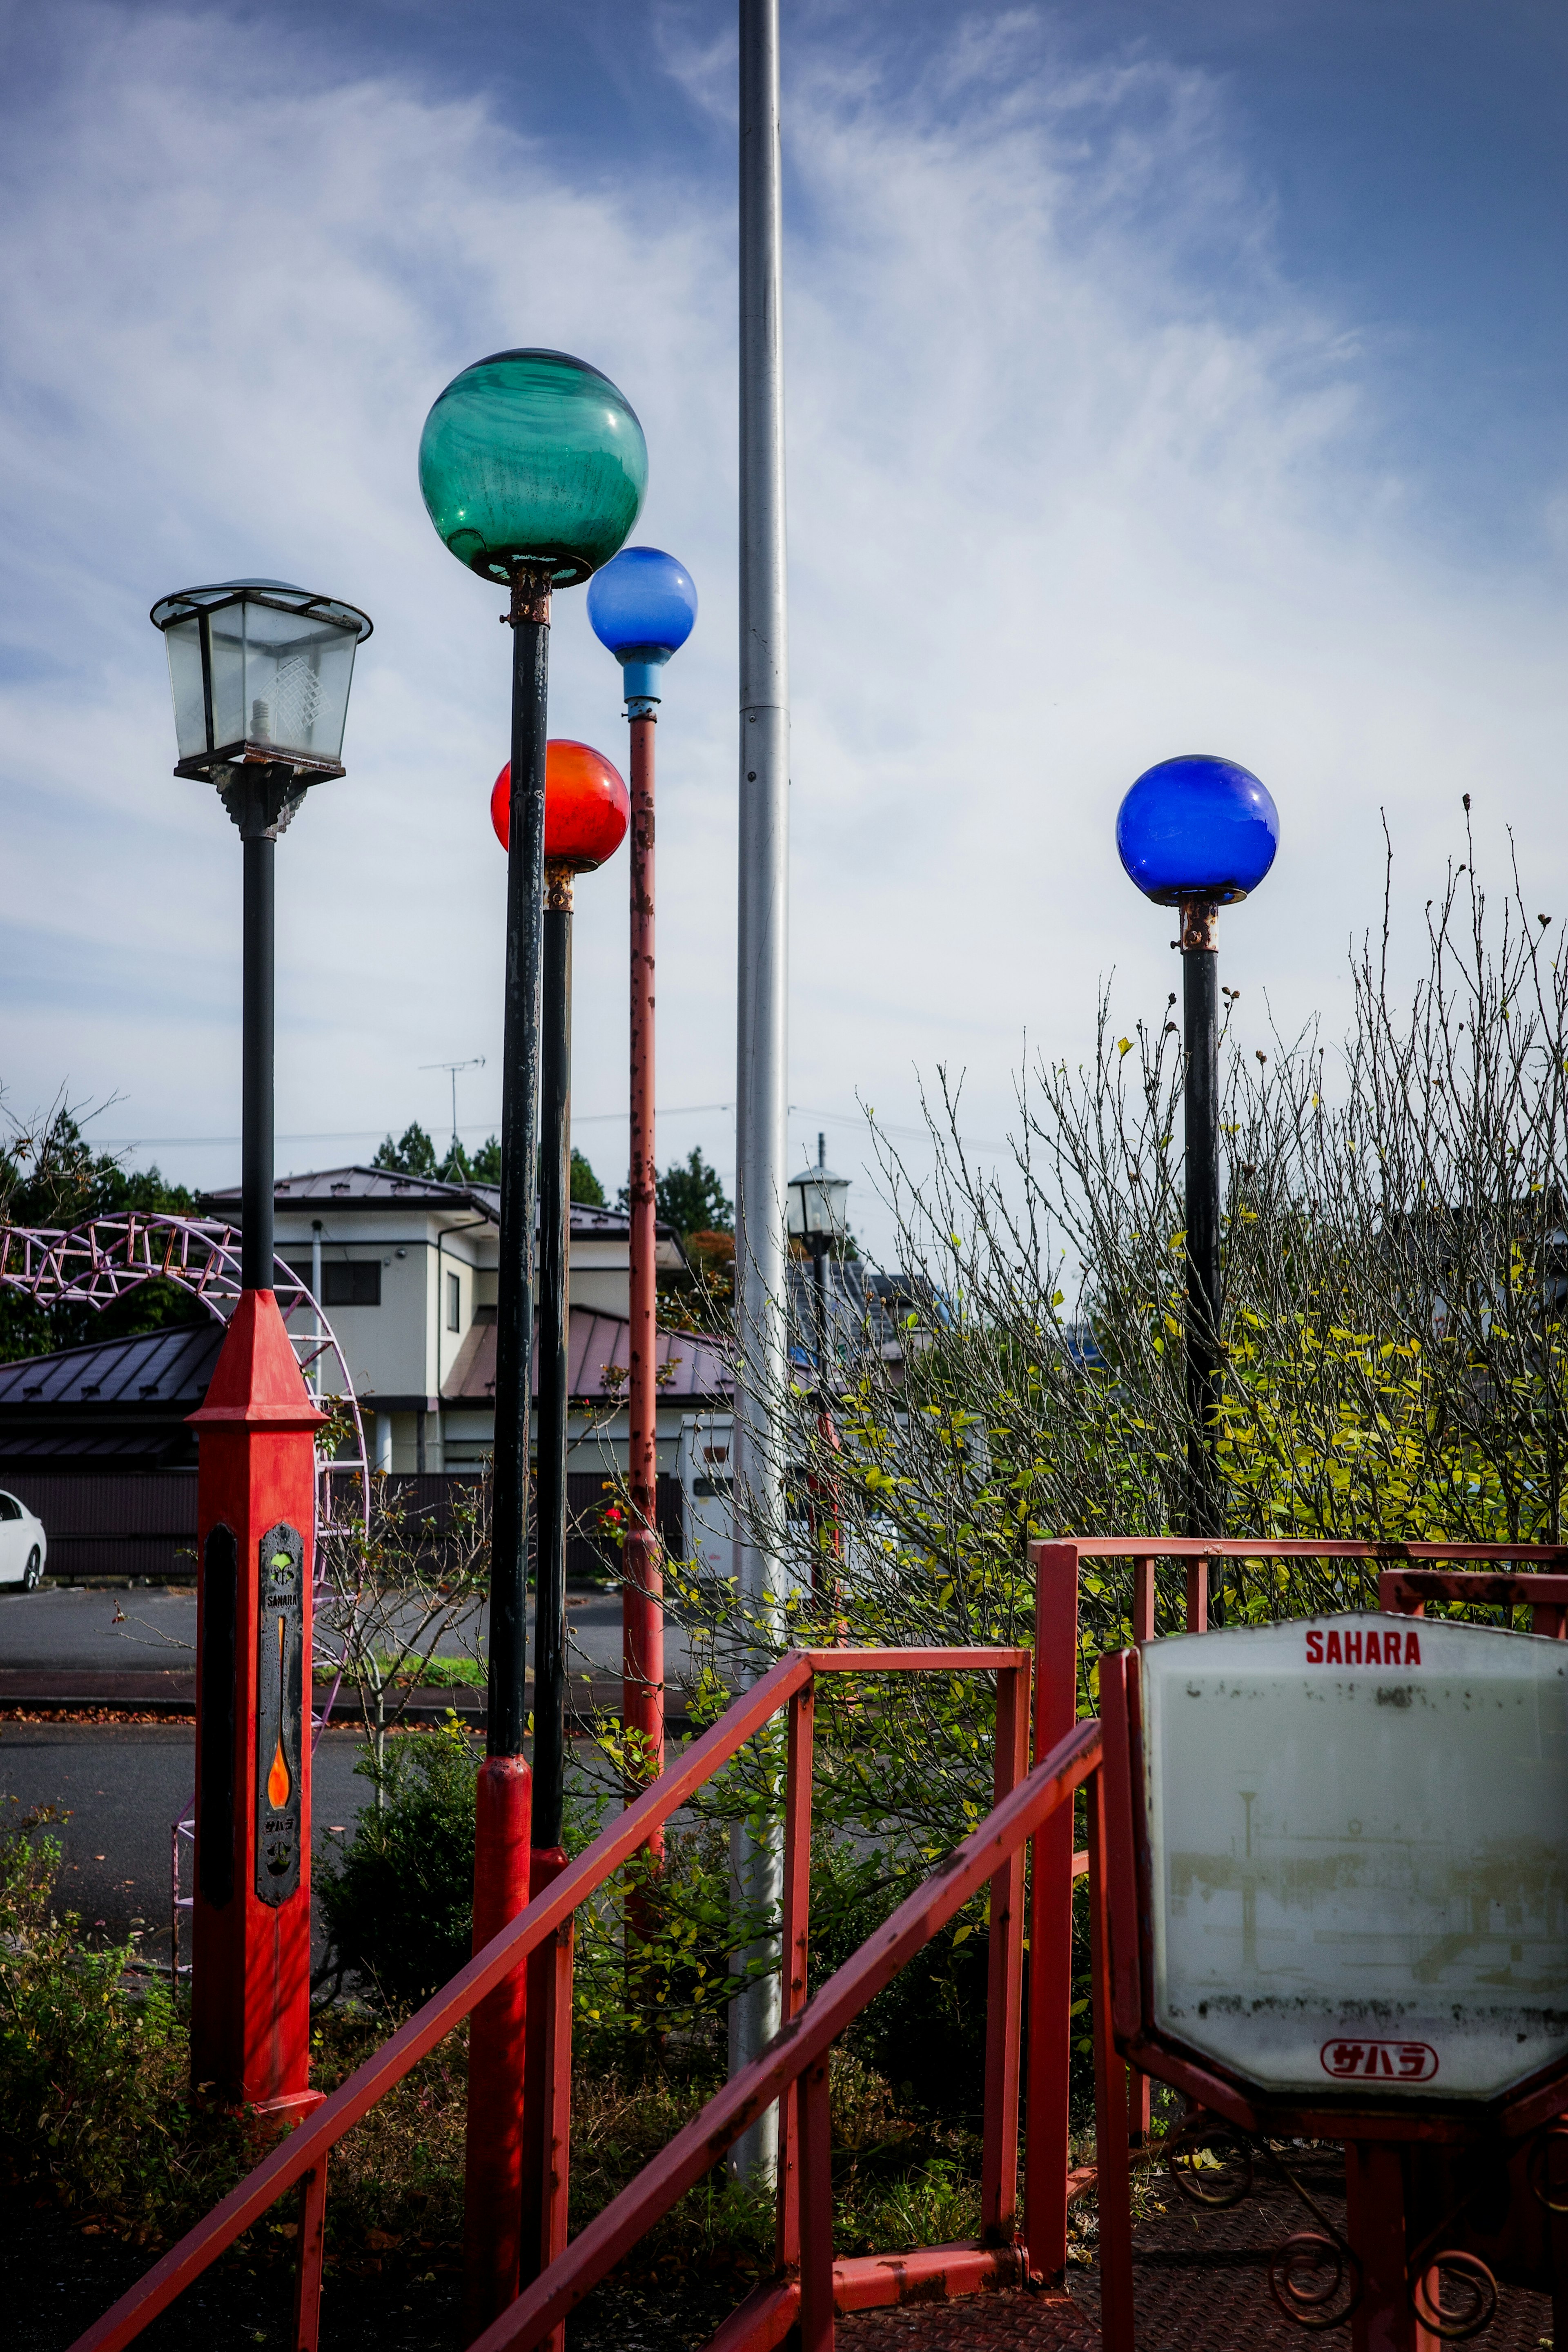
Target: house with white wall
406 1270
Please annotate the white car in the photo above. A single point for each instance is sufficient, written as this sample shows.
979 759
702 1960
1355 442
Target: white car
24 1546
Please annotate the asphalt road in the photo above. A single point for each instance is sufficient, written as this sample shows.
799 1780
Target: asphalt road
157 1627
122 1787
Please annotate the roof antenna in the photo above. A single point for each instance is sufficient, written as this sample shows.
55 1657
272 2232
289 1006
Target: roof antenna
478 1063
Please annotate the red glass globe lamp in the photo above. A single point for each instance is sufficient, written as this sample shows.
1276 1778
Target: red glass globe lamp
586 806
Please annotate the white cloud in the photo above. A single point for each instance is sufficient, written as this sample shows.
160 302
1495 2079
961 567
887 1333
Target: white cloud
1076 481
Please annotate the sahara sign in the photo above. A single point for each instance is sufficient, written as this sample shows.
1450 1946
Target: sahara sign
1358 1833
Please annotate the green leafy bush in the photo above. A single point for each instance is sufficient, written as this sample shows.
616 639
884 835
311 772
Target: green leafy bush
398 1907
94 2097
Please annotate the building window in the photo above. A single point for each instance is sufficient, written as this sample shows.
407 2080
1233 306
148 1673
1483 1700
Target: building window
454 1303
355 1283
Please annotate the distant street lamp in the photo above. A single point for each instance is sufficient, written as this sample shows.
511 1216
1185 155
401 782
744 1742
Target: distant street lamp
817 1204
533 468
1199 833
260 674
642 607
586 810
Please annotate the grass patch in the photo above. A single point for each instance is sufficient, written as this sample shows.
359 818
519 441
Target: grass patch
408 1674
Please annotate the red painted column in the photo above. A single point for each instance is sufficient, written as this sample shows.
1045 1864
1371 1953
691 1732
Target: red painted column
493 2159
642 1601
256 1515
1383 2320
1050 1920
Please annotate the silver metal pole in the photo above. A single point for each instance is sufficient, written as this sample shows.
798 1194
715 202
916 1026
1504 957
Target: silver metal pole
756 1864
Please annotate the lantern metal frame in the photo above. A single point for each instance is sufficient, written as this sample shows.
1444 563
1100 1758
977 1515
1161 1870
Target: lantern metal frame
276 595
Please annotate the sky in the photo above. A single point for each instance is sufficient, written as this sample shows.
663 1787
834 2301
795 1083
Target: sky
1160 378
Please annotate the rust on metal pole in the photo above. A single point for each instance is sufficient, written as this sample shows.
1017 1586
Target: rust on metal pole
642 1602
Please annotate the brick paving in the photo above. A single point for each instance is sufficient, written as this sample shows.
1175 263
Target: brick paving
1200 2285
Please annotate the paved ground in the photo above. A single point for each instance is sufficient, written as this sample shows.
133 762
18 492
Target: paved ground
1200 2284
157 1627
123 1786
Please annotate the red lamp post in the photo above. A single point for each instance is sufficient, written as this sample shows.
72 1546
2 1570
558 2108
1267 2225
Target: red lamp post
260 674
642 606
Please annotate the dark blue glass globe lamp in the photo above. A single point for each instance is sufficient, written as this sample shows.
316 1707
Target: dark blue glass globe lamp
1199 833
642 606
1197 827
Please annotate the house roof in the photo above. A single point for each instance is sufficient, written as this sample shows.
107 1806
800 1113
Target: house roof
123 1401
355 1187
167 1368
598 1350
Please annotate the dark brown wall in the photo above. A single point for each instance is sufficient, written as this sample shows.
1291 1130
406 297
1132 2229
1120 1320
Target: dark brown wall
143 1523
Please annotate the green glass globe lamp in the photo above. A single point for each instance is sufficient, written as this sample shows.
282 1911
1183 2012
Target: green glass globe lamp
532 458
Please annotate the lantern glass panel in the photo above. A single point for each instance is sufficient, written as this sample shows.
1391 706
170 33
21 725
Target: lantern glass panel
1358 1832
817 1204
290 690
184 639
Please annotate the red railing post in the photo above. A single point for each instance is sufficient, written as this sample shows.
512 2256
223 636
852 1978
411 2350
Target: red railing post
492 2176
796 1940
1050 1920
1112 2171
547 2089
1004 1980
1197 1596
815 2128
308 2257
1383 2320
1137 2085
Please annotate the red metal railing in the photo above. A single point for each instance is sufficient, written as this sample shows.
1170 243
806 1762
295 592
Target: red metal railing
1029 1805
990 1854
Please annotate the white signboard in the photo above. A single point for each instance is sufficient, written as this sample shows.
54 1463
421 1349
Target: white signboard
1359 1838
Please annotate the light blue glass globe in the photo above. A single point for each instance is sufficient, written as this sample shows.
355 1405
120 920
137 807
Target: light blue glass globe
642 605
1197 827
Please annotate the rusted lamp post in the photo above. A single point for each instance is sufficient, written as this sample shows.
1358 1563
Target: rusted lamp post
642 607
260 673
532 467
1198 834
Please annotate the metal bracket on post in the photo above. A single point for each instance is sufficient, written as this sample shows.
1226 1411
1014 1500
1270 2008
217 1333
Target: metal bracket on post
262 798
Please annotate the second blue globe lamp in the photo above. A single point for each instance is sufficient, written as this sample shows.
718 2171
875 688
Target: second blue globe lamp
1199 833
642 606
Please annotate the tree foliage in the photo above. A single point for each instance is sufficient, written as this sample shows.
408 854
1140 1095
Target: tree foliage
690 1197
1394 1269
51 1176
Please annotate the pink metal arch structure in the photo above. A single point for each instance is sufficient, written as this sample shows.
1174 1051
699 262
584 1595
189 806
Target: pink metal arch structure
95 1263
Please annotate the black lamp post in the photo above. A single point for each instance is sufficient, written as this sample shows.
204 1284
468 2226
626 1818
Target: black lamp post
1199 833
260 673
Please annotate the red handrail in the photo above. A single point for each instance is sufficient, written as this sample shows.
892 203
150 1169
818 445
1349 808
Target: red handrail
800 2046
303 2155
